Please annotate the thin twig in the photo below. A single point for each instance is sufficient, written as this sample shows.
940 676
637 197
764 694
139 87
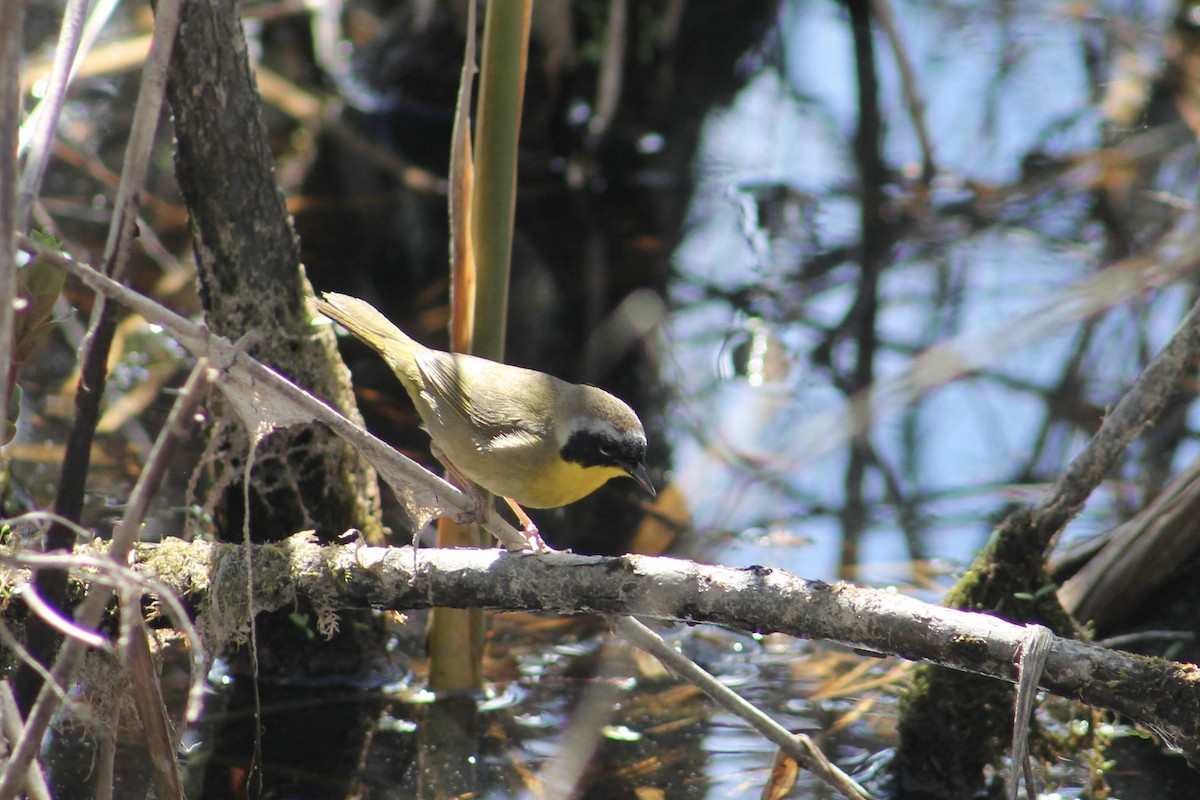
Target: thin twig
44 119
46 705
146 690
101 12
1137 408
51 616
798 746
146 114
107 759
16 647
35 781
612 73
125 535
12 24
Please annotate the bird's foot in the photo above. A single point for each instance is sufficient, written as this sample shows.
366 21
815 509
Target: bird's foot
528 529
536 543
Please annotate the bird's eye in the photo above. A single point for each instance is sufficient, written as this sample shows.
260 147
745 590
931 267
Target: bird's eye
607 451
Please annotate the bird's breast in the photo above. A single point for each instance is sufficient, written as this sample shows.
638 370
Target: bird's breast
562 483
527 469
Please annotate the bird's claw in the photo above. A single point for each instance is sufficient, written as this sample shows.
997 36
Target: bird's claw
528 529
534 539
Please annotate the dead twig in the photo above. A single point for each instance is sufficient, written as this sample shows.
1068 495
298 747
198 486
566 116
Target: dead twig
1137 408
35 782
798 746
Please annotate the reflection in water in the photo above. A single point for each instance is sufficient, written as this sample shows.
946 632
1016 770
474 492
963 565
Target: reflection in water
988 242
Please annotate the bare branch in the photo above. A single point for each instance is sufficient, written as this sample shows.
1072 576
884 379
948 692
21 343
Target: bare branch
1161 694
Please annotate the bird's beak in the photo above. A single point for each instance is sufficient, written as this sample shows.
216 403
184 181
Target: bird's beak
642 477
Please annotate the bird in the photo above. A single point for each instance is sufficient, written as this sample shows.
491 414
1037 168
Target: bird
531 438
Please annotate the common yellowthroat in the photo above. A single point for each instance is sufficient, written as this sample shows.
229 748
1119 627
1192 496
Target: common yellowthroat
526 436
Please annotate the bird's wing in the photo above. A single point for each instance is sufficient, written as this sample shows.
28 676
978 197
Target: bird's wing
459 384
514 439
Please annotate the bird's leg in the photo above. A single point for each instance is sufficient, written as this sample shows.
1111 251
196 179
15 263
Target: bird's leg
462 482
530 531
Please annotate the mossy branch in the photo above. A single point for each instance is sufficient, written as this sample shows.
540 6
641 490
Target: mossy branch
1163 695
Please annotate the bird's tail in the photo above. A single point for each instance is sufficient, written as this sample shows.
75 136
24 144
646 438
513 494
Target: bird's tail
365 322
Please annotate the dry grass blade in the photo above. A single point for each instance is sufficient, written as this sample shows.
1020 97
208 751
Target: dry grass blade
455 632
463 279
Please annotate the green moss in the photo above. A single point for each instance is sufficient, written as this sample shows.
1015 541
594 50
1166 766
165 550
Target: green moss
954 724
